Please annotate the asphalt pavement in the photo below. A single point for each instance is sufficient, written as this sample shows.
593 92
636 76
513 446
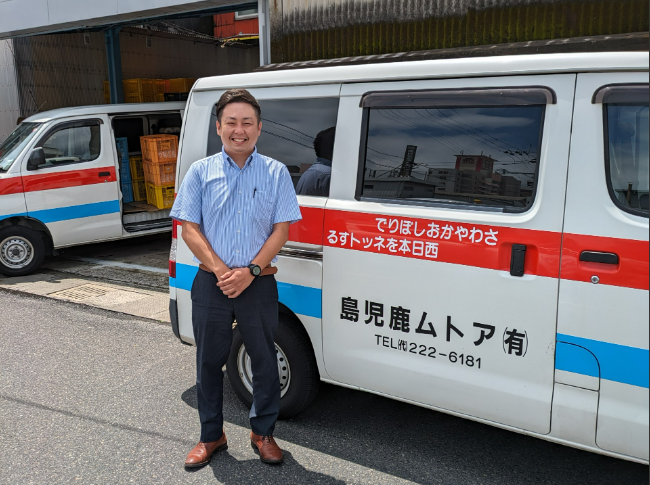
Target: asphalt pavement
93 396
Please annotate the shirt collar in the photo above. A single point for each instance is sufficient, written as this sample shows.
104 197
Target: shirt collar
324 161
232 163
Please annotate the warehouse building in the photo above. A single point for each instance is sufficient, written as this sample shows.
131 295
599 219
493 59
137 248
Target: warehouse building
61 53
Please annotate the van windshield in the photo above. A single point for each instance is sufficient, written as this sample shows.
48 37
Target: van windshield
13 146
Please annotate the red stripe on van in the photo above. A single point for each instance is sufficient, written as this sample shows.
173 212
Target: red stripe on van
13 185
478 245
632 270
69 178
310 229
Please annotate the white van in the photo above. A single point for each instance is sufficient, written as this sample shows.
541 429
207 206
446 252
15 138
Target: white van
60 180
482 250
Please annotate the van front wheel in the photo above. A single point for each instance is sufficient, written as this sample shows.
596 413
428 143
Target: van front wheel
297 369
22 251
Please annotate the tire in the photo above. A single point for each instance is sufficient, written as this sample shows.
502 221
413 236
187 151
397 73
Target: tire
298 380
22 250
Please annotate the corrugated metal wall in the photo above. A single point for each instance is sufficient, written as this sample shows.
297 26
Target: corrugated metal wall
60 70
177 57
9 108
325 29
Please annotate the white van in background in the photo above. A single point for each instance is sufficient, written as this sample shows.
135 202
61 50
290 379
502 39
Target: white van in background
60 180
483 246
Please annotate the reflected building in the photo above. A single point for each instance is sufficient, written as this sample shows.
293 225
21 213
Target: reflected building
473 175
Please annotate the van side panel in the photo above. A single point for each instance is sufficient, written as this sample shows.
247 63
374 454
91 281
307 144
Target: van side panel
604 307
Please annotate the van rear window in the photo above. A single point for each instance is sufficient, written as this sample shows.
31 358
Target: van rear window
459 156
298 133
627 156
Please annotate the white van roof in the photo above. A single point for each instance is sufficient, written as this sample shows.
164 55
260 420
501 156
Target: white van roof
111 109
464 67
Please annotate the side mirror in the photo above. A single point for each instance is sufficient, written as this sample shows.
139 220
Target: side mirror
36 159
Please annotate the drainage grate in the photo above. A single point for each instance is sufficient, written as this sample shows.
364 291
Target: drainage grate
83 292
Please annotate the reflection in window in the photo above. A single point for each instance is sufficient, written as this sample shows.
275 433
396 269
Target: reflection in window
72 144
628 155
295 132
486 156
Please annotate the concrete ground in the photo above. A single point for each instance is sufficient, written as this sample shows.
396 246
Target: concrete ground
90 396
128 276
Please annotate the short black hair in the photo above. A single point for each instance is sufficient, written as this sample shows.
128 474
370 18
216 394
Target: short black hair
238 96
324 143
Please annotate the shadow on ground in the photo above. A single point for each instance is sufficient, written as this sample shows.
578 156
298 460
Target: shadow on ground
419 444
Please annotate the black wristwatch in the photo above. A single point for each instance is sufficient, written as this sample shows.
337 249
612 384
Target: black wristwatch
255 270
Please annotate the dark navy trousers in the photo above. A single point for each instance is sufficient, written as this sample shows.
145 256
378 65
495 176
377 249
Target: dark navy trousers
213 313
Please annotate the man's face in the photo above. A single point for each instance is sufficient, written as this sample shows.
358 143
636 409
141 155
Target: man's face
239 128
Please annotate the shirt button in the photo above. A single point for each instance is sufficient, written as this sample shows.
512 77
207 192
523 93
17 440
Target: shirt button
238 250
240 191
238 212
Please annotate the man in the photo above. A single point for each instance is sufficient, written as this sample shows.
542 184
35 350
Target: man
236 208
316 179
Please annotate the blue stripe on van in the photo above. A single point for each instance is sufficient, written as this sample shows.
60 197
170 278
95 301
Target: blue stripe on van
76 211
618 363
302 300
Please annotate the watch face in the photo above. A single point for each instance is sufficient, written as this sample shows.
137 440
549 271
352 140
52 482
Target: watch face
256 270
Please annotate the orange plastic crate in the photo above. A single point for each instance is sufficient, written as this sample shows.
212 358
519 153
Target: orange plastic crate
161 197
159 173
159 148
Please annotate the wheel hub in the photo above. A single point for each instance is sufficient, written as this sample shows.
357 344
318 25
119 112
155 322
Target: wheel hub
16 252
244 368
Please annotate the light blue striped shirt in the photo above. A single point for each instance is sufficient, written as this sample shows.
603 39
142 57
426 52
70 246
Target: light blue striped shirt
236 208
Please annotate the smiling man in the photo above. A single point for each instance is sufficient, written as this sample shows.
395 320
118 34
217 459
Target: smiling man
236 208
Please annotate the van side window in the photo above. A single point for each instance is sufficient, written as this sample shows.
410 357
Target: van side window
72 143
626 153
299 133
453 155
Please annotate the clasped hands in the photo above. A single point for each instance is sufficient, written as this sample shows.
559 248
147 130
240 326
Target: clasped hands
234 281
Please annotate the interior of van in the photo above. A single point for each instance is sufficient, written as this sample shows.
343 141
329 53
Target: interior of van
138 214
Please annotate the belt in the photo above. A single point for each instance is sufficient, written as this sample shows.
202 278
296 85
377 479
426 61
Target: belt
269 270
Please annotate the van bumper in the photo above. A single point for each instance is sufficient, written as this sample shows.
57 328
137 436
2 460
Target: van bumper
173 317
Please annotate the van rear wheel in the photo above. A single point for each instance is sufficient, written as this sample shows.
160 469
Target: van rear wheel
297 368
22 250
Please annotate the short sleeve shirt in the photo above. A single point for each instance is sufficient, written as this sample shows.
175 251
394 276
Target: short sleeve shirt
237 208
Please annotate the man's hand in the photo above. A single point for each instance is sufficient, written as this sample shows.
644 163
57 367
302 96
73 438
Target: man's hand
235 281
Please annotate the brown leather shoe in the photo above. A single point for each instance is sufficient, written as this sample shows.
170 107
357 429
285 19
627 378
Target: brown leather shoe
201 454
267 448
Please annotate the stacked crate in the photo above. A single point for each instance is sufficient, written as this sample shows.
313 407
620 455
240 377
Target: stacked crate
137 178
125 170
159 154
160 88
180 85
139 90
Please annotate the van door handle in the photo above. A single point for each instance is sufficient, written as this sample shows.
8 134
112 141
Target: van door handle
104 174
517 259
598 257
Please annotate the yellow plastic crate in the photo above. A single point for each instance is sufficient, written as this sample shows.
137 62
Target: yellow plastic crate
160 196
139 98
107 92
137 169
144 87
180 85
140 191
159 86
